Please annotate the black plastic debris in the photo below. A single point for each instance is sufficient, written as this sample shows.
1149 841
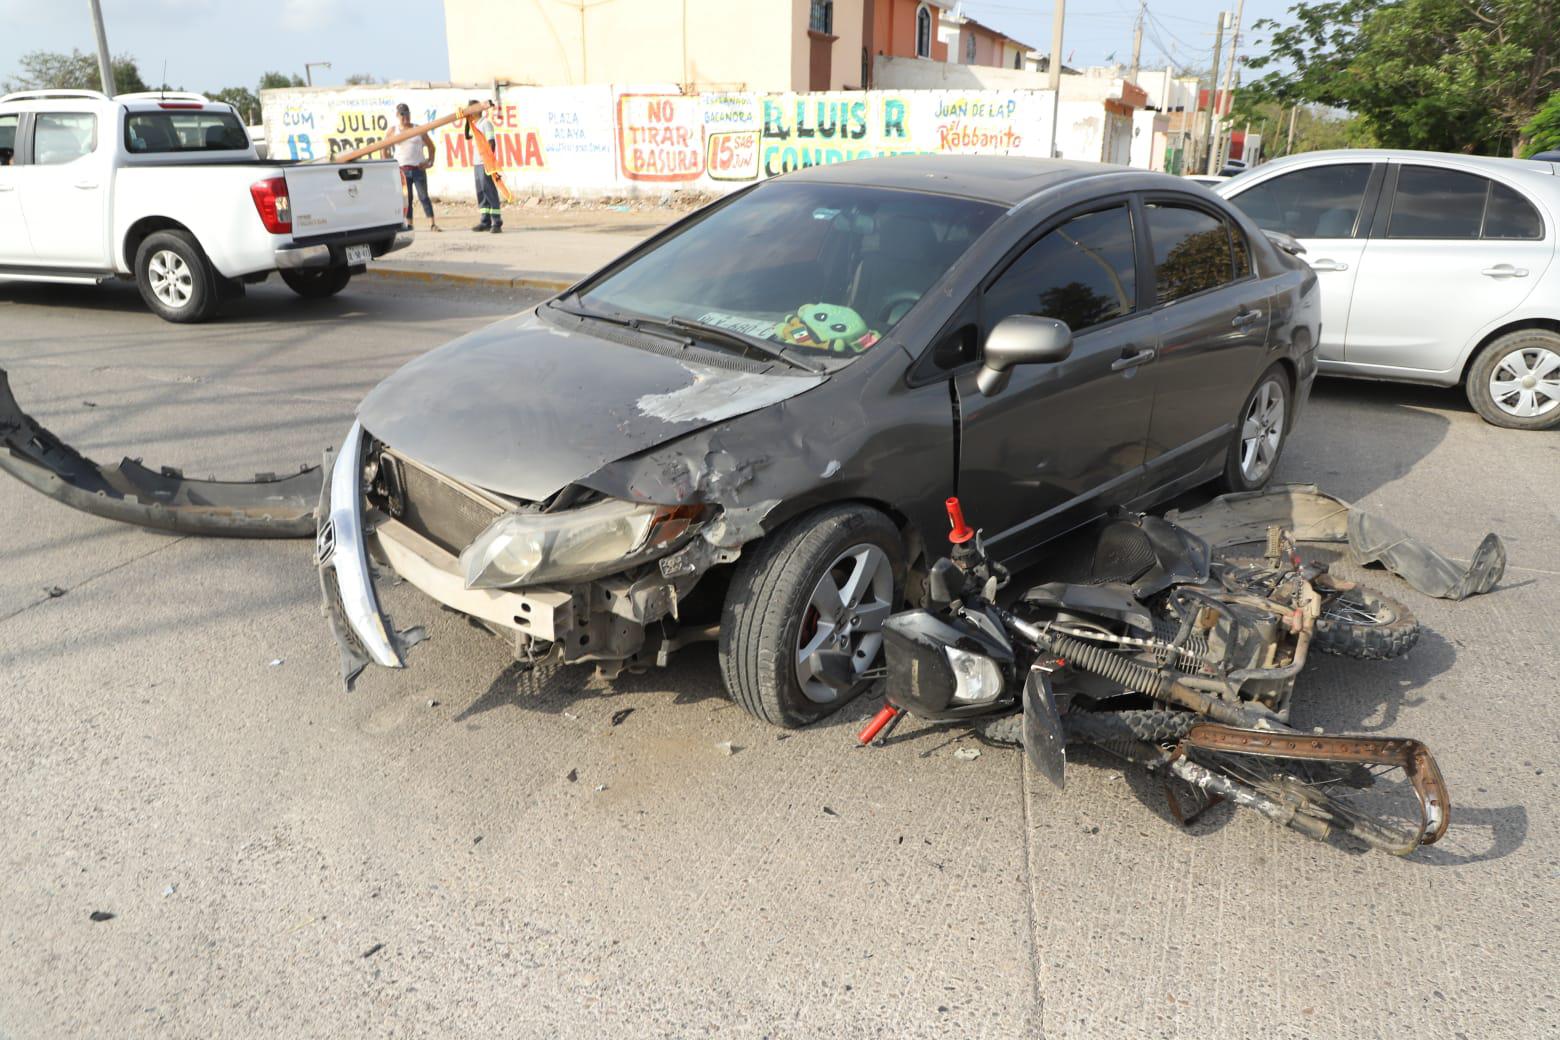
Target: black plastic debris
574 776
620 715
373 950
54 591
100 916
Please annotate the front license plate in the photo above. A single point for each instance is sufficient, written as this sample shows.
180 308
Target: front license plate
358 255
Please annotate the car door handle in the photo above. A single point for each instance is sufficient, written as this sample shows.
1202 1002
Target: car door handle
1328 265
1132 360
1245 318
1504 271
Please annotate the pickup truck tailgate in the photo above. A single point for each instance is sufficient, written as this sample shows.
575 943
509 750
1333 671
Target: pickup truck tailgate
332 197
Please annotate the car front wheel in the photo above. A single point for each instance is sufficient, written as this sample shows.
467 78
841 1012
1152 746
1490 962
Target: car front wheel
1261 429
1515 381
803 633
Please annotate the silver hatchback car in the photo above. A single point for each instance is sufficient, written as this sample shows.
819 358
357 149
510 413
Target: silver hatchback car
1434 269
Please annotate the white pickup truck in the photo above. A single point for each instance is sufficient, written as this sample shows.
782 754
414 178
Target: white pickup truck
167 189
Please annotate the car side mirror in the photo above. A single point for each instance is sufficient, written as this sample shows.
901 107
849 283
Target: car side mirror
1021 339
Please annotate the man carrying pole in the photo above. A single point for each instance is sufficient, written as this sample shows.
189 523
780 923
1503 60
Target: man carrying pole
490 217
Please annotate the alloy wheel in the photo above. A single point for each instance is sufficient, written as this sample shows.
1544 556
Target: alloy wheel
845 616
1262 432
170 278
1526 382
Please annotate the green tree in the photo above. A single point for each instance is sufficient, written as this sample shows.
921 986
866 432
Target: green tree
1543 130
280 81
361 79
43 70
241 98
1315 128
1444 75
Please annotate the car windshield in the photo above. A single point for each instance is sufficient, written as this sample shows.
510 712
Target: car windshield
823 269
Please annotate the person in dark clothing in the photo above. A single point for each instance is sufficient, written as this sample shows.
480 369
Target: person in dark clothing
489 216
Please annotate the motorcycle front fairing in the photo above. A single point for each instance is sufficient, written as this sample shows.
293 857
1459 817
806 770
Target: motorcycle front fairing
950 664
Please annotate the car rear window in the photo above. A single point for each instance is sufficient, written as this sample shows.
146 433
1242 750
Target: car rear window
1432 203
157 132
1509 215
1191 251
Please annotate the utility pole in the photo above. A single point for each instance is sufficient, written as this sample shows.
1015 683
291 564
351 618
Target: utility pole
1229 82
310 66
1213 93
105 62
1137 41
1056 68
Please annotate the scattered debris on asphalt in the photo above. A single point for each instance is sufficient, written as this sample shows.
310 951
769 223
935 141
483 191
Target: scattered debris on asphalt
600 788
573 776
277 662
373 950
100 916
54 591
829 812
727 747
170 890
621 714
266 507
1315 516
966 754
89 404
432 703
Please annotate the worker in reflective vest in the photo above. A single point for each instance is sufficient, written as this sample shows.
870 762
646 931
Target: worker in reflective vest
489 216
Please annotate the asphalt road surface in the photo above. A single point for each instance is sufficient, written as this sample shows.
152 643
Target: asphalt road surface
461 849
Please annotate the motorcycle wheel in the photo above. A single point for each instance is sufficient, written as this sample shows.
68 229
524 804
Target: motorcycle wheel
1359 622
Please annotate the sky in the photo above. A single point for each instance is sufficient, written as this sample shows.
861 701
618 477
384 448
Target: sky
210 44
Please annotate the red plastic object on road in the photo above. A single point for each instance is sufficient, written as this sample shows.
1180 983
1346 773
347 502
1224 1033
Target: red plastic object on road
886 715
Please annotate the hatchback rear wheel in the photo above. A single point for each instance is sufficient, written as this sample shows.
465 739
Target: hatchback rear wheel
1515 381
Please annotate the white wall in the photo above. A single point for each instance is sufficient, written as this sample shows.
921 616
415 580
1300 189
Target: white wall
651 139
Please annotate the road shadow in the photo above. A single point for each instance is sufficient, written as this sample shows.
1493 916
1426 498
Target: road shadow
268 302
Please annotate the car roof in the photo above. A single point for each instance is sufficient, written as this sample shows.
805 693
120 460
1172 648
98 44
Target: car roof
1491 163
1004 179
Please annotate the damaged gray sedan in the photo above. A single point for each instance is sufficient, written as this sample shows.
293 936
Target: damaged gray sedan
745 429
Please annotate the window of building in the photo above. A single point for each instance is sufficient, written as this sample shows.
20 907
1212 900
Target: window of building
1018 59
969 48
1083 273
822 17
62 137
923 32
1191 251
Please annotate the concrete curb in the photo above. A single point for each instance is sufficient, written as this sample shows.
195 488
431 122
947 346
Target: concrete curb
486 281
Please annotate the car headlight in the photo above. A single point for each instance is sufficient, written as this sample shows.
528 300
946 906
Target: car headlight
574 544
977 679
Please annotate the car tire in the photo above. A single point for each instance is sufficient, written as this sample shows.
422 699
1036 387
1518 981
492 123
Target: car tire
318 282
1270 405
1508 360
772 617
176 280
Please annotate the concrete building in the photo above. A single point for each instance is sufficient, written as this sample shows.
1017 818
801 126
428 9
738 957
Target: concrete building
973 43
764 45
906 29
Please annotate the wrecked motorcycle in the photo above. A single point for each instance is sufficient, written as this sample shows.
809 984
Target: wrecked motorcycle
1180 663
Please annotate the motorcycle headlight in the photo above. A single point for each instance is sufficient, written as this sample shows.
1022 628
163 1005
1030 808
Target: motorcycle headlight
572 545
977 679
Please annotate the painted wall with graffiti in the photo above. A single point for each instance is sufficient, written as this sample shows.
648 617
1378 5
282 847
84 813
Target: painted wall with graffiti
651 139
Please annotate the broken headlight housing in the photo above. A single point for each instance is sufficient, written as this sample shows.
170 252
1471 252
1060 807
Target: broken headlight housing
573 545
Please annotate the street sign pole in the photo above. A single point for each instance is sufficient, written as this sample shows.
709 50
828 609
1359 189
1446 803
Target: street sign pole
1056 68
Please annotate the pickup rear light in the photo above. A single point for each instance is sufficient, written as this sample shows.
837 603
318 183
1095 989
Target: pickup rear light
273 204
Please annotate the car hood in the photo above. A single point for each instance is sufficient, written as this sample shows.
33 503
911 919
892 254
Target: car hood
526 407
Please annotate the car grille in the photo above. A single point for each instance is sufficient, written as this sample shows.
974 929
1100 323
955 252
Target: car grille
441 510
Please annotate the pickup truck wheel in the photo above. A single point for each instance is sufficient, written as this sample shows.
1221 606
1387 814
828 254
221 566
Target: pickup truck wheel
318 282
805 611
176 280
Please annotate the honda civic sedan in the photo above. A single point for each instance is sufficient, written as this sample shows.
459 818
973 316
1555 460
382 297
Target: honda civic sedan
745 429
1434 269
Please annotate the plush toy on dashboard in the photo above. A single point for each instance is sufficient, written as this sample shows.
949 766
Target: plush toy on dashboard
827 326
